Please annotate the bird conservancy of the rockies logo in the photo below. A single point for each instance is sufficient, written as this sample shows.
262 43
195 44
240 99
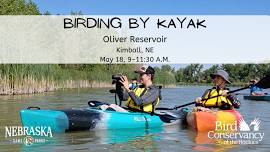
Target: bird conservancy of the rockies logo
237 133
28 135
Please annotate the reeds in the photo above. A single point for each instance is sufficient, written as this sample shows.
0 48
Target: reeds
37 78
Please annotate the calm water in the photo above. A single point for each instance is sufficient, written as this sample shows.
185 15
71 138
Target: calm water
170 139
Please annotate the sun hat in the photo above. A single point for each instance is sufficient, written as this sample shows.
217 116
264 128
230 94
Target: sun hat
221 73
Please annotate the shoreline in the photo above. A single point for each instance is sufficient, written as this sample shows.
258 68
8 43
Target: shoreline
32 86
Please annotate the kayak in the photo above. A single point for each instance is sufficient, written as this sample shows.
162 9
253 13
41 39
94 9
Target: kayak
93 118
258 98
203 121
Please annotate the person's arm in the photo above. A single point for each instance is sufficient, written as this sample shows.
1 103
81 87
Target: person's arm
234 100
200 100
124 89
125 94
149 97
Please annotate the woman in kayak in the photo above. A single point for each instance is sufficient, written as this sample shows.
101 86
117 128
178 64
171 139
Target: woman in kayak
144 97
254 90
225 101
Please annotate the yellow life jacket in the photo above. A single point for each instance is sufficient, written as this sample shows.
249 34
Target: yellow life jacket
148 107
217 102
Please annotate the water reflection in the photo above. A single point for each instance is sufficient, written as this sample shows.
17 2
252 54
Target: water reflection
203 143
173 138
135 138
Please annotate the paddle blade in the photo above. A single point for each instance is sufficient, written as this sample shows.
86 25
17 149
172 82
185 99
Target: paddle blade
95 104
167 118
112 91
264 83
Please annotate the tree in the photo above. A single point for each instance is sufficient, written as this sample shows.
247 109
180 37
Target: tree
76 13
179 75
206 74
193 73
165 75
18 7
47 13
167 68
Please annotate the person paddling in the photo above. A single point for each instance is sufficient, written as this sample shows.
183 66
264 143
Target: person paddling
144 97
225 101
254 90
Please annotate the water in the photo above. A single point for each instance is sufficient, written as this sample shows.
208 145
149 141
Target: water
171 139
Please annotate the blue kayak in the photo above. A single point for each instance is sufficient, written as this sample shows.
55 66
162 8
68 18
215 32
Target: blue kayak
92 118
258 98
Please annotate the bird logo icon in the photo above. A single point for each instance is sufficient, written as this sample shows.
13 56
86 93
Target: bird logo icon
243 126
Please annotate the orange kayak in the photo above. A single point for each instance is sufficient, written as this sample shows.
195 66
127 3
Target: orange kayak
203 121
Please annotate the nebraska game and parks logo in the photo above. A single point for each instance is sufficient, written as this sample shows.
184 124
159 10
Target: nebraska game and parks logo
238 132
28 135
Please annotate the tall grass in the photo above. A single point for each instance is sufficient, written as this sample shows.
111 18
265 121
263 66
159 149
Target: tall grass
35 78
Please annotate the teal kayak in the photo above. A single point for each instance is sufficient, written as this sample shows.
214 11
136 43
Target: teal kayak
258 98
92 118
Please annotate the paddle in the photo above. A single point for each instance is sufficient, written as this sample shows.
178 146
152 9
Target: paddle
163 117
264 83
96 104
244 94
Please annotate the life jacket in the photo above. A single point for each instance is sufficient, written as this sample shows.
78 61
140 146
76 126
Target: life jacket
217 102
139 92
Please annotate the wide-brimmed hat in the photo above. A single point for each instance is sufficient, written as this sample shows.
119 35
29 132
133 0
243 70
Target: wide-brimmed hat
145 69
221 73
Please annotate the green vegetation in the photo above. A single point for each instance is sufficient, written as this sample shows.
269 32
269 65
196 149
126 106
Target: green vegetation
239 73
35 78
165 76
18 7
